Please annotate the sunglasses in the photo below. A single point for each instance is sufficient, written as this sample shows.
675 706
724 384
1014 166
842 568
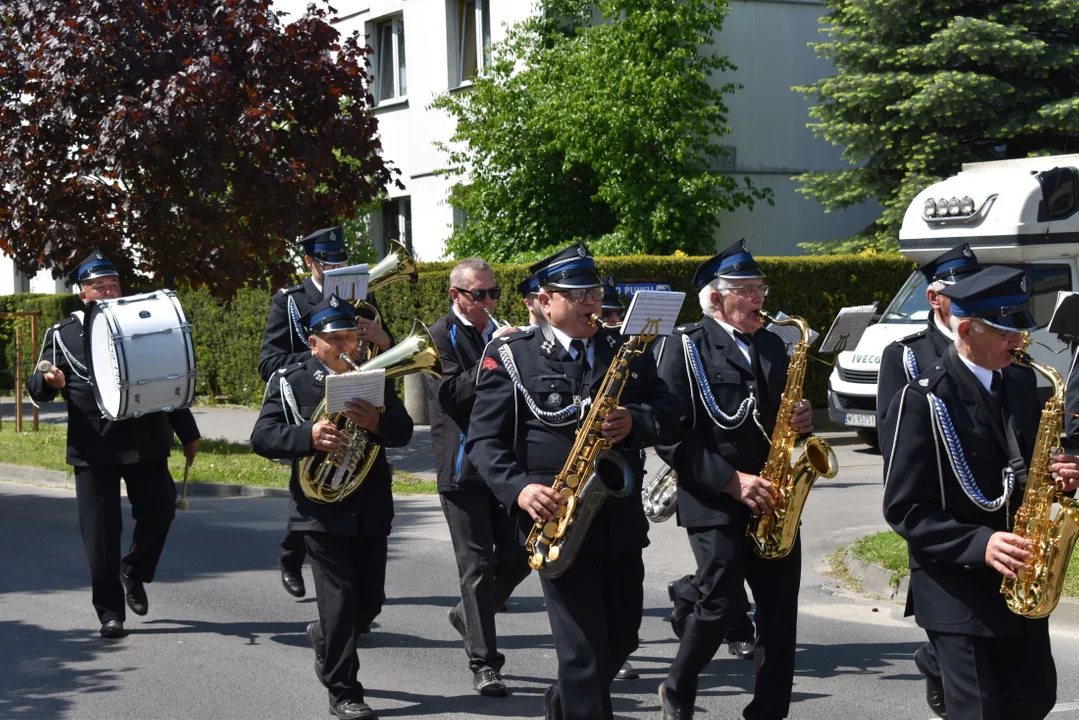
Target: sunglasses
481 294
578 295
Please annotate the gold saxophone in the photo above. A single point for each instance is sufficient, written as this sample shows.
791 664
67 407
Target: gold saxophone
774 534
329 477
591 472
1036 591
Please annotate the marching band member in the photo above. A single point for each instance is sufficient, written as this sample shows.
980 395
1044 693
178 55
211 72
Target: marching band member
101 452
346 540
284 341
524 421
963 437
722 365
528 289
490 562
903 361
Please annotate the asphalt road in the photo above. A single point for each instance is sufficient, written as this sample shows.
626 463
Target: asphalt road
223 640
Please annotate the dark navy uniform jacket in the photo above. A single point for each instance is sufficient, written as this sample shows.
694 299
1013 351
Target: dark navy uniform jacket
93 440
512 446
952 590
705 455
283 430
928 346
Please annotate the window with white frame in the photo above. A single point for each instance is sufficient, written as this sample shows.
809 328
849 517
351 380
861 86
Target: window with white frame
397 223
472 37
390 56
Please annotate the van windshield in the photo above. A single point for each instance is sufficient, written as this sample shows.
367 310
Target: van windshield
910 304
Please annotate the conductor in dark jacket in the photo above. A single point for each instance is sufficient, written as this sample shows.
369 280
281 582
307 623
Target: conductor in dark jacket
729 399
964 434
490 562
284 341
347 540
102 452
533 390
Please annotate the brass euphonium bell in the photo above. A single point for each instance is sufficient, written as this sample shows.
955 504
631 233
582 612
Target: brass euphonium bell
329 477
397 265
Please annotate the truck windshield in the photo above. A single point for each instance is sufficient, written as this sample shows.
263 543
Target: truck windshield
910 304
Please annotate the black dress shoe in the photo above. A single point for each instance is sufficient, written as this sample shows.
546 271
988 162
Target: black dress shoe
552 710
318 657
740 649
352 710
669 708
293 582
934 687
679 613
135 594
627 672
487 682
113 630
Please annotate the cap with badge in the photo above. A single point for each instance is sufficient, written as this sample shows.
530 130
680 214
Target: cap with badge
952 265
94 266
528 286
326 246
733 262
572 267
997 296
330 315
611 299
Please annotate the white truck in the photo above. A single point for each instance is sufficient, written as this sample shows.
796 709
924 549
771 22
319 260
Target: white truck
1021 213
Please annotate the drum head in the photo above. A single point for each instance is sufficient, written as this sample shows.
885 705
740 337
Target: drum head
105 366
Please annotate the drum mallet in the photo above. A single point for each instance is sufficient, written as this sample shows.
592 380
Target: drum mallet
182 503
45 366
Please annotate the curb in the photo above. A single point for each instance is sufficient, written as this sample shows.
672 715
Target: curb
878 581
57 479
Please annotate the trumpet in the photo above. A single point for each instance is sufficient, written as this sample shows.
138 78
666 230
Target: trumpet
498 323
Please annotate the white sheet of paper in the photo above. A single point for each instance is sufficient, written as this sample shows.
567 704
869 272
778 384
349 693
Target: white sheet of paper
789 334
654 310
367 385
349 283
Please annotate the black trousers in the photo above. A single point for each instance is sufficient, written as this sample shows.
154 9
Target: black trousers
595 610
725 561
350 582
686 595
998 679
490 563
293 551
153 505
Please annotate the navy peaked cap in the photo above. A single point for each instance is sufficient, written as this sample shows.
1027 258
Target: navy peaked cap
94 266
329 315
528 286
733 262
996 295
326 245
952 265
611 299
572 267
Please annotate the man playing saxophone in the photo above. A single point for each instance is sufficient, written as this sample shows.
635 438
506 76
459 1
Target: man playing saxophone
347 540
533 389
964 435
729 377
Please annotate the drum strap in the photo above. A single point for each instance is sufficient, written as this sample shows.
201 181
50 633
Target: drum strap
77 367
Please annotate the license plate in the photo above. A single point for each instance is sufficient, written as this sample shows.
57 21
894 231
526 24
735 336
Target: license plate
860 420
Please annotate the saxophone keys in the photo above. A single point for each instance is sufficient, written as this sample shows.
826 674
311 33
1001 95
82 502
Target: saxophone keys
550 529
553 553
573 481
536 561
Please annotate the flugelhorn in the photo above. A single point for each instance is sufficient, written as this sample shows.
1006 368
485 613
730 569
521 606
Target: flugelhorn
397 265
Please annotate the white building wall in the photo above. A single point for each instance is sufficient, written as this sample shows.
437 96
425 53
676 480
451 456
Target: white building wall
766 39
12 281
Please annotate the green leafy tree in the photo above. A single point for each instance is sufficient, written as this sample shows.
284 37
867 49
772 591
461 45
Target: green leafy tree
926 85
600 121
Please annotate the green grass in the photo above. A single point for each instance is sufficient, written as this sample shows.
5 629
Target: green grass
889 550
218 461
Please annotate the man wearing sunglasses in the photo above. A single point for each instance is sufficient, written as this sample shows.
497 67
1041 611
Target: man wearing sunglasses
489 561
285 341
964 435
534 389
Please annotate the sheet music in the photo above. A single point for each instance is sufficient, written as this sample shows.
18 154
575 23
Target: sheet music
350 283
1065 320
789 334
367 385
848 327
650 306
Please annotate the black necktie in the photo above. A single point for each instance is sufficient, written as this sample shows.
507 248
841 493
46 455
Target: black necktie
579 352
994 386
754 360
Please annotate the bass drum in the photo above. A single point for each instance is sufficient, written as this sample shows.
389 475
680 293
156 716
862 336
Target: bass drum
140 355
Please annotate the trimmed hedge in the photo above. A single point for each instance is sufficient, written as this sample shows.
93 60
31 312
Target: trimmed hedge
228 337
53 309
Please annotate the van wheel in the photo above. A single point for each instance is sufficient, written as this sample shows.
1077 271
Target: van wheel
869 437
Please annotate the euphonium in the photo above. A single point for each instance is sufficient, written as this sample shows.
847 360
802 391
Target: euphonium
659 495
1036 591
397 265
774 534
591 473
330 477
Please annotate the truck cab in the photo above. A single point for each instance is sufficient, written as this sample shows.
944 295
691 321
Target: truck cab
1021 213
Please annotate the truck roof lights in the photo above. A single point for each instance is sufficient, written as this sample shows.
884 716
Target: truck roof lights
956 211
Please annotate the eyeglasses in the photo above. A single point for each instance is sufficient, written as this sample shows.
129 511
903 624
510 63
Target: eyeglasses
578 295
748 290
1006 334
481 294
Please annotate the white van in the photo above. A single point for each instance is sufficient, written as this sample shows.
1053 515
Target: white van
1022 213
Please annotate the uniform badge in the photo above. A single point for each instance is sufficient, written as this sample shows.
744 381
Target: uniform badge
489 363
1023 283
333 236
554 400
547 346
924 382
967 251
581 252
319 375
333 301
681 328
610 340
